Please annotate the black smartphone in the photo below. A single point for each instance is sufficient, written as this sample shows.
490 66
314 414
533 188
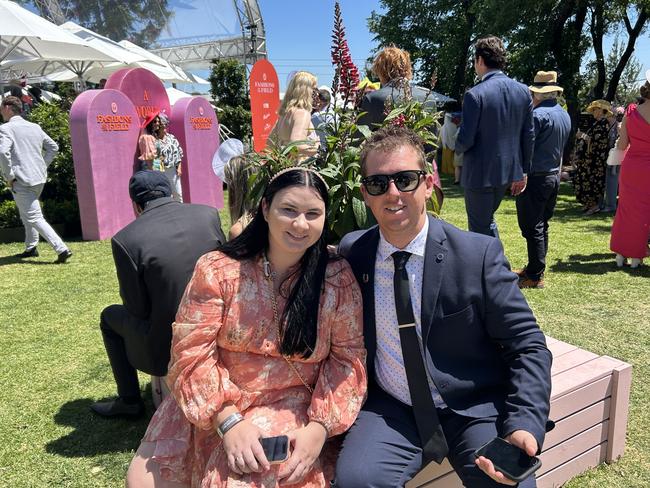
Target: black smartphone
276 449
585 121
510 460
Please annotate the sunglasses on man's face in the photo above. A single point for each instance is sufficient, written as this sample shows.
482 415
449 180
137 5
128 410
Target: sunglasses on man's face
404 181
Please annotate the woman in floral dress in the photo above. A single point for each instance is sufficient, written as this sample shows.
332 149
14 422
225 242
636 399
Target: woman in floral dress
269 328
591 159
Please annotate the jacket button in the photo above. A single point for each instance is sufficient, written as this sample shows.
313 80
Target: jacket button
440 257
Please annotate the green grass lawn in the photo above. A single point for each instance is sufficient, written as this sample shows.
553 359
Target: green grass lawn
54 364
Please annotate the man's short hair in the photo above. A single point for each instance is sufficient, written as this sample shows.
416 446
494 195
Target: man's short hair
14 103
390 138
324 96
148 185
492 51
392 63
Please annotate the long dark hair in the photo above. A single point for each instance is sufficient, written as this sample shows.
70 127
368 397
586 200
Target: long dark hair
300 317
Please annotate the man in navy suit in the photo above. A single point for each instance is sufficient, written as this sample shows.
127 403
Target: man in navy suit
496 137
485 362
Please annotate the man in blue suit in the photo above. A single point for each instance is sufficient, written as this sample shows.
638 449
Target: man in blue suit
455 356
496 137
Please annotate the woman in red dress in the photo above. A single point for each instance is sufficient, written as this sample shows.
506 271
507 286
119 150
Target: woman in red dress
631 227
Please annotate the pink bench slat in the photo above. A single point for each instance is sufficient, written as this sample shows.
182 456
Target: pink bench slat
568 404
576 423
573 447
575 466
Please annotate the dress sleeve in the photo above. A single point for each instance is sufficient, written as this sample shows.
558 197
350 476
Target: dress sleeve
342 381
199 383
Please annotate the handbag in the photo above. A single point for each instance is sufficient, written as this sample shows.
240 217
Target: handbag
615 157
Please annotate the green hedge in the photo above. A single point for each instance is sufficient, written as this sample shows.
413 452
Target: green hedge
66 212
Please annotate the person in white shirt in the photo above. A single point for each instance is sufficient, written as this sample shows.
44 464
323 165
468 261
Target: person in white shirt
25 153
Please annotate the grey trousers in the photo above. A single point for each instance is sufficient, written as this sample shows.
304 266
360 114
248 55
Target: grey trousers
29 208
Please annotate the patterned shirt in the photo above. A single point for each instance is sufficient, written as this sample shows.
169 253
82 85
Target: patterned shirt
170 150
389 363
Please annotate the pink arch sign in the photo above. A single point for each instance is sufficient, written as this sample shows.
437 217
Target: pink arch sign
105 126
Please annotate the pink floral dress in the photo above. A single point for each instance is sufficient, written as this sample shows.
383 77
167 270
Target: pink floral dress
224 349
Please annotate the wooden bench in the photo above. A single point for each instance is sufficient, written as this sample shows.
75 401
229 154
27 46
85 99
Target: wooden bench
589 404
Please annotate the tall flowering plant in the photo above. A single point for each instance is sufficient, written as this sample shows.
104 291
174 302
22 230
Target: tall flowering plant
346 74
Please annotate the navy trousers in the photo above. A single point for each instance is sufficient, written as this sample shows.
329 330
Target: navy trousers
535 208
382 449
481 204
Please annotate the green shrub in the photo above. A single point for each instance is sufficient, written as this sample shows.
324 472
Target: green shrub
9 215
61 212
61 184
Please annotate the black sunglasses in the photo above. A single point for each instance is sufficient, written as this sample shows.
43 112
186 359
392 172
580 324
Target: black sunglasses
407 180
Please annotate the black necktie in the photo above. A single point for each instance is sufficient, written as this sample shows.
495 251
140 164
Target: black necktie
434 444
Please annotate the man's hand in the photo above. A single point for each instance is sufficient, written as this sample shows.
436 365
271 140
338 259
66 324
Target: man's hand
307 444
243 448
179 171
520 438
518 187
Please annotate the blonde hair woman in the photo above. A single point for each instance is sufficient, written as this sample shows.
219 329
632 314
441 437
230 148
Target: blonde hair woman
294 123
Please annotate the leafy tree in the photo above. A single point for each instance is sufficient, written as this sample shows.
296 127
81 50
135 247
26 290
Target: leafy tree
627 89
229 89
606 19
139 21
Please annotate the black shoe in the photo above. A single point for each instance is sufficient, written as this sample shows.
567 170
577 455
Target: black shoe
117 408
32 252
63 257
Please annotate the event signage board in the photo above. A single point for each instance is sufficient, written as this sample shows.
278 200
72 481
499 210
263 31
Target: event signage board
104 130
265 101
143 88
194 123
105 126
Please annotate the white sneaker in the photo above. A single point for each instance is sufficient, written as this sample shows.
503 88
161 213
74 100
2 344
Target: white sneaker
620 260
634 262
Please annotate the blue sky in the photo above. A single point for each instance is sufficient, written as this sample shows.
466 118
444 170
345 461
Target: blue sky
298 33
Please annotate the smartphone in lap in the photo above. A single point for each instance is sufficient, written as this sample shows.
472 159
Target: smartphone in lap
513 462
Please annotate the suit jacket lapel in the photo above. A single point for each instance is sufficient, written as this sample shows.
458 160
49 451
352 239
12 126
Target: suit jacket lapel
434 263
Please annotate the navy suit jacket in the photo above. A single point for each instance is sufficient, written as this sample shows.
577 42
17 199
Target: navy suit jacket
484 349
496 134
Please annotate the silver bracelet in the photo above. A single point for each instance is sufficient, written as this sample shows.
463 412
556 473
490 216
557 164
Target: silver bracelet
229 423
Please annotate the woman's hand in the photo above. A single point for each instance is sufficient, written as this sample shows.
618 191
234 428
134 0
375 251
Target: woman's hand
307 443
179 171
243 448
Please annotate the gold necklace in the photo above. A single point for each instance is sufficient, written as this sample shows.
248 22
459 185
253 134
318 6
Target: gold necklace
268 272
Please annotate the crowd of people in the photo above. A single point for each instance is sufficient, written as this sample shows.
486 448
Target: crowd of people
409 343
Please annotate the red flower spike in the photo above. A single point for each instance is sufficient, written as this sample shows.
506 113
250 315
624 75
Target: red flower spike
346 75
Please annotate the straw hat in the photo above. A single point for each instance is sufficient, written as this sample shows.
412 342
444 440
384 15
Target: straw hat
604 105
545 82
